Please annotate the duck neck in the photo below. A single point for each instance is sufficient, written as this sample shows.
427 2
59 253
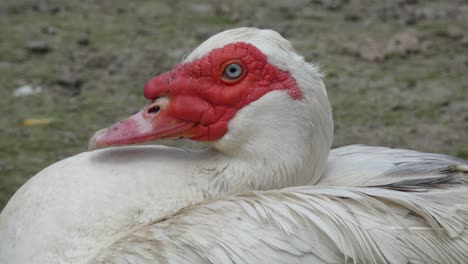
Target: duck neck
263 155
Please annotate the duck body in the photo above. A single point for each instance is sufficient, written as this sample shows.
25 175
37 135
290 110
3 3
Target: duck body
107 203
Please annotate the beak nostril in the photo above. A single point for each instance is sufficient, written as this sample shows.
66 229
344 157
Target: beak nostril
154 109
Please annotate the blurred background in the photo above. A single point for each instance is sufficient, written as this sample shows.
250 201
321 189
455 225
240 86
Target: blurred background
397 70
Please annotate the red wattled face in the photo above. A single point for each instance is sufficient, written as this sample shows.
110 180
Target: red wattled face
209 91
197 99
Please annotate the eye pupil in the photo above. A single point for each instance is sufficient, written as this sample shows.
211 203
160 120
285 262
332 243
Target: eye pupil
233 71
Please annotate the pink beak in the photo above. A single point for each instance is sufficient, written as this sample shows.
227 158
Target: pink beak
153 122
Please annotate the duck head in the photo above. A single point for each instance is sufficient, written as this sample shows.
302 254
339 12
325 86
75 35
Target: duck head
239 89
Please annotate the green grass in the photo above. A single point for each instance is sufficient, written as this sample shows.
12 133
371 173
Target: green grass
462 153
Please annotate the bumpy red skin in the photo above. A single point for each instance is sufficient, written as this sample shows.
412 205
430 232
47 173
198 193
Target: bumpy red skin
200 93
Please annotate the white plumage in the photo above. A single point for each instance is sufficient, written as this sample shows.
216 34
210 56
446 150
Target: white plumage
422 220
225 204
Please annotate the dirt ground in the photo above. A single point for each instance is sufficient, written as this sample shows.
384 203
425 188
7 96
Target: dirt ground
397 71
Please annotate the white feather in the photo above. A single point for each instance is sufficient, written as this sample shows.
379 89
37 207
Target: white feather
320 225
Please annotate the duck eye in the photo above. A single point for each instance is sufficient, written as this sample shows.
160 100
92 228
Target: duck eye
233 71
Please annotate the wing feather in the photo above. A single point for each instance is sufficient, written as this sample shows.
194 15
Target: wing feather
358 165
313 224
